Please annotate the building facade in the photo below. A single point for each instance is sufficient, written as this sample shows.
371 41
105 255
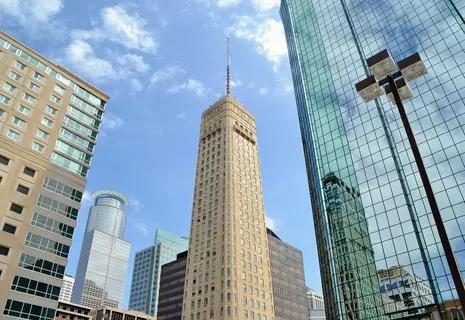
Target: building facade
288 279
101 272
147 269
228 266
172 280
70 311
66 289
111 313
316 305
364 145
49 122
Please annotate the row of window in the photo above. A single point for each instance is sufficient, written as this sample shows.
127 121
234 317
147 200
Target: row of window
37 288
56 206
25 310
62 189
47 245
42 266
49 224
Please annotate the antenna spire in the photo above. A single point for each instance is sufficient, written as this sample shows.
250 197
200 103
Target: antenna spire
228 68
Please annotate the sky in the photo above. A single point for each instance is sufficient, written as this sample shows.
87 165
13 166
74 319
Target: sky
163 63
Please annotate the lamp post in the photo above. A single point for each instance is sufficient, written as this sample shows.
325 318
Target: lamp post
395 84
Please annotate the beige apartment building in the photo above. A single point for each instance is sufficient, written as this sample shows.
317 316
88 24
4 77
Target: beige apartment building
228 268
49 122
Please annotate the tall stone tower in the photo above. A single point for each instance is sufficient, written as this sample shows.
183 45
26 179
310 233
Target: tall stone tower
228 268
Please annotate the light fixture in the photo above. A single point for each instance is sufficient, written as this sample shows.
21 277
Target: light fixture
381 64
369 89
402 87
412 67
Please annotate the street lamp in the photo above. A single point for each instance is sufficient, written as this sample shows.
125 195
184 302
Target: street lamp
394 80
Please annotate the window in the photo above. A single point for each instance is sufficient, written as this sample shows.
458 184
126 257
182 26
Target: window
19 122
20 65
55 99
25 310
22 189
40 265
24 110
13 135
62 209
47 245
4 160
9 228
51 111
31 99
8 87
4 99
36 288
4 250
16 208
29 172
37 147
14 76
59 89
34 87
47 122
2 112
38 76
62 189
42 134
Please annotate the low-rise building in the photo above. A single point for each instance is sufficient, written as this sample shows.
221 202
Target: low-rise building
71 311
316 305
110 313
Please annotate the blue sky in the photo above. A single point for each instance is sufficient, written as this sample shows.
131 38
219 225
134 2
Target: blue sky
163 63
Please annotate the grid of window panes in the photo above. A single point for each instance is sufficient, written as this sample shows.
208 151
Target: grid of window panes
21 96
329 41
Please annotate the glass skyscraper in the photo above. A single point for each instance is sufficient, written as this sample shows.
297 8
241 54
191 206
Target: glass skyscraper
372 214
147 269
101 273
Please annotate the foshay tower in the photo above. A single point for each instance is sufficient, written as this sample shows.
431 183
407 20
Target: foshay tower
228 268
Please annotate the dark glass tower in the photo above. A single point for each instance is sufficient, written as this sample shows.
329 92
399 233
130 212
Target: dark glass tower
364 147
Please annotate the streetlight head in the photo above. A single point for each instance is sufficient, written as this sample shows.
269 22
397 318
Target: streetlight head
412 67
381 64
402 87
369 89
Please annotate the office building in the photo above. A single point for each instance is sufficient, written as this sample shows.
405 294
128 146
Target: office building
49 122
101 272
288 279
70 311
402 290
316 305
112 313
66 289
147 267
228 266
170 297
364 144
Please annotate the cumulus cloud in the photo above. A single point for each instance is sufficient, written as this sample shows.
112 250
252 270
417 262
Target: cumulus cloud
227 3
111 121
28 12
118 25
133 62
265 5
271 223
267 35
191 85
166 74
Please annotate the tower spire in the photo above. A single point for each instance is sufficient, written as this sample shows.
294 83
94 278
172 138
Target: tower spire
228 67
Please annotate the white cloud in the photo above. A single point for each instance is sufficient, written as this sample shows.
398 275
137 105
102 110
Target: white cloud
27 12
142 228
166 73
267 35
227 3
81 56
133 62
263 91
265 5
190 85
112 121
136 85
181 115
271 223
119 26
236 83
86 197
134 204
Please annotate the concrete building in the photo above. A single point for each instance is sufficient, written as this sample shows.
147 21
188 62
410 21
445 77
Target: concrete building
147 268
228 266
101 272
403 291
288 279
364 144
70 311
172 280
316 305
49 122
66 289
110 313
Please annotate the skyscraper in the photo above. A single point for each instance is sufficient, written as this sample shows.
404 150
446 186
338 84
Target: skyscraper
101 272
288 279
147 268
363 145
49 122
66 289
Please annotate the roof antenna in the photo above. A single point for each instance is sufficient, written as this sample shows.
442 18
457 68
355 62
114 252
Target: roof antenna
228 68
